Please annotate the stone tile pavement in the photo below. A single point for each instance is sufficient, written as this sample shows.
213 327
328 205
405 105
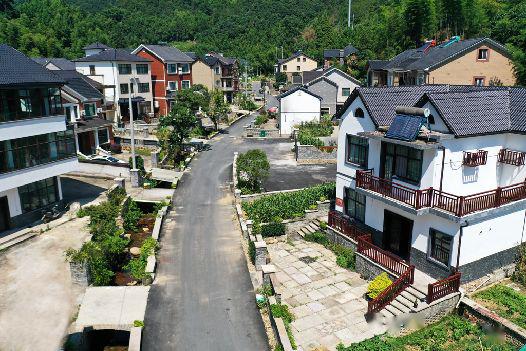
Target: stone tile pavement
326 300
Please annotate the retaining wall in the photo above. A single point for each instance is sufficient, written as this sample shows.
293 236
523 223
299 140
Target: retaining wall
310 154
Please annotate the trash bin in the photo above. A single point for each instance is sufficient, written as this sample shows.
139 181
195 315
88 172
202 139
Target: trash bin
262 133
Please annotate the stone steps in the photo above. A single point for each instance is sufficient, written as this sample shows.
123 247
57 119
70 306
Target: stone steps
16 238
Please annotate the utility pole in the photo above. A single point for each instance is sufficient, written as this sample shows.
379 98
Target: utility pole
282 52
349 15
246 78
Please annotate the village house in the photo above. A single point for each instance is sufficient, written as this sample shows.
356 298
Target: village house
333 85
215 71
480 61
123 76
295 66
171 71
297 106
436 174
339 56
36 145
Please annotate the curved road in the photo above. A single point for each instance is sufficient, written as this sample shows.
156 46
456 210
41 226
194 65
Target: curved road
203 299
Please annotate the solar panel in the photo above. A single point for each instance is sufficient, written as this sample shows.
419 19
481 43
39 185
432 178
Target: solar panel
405 127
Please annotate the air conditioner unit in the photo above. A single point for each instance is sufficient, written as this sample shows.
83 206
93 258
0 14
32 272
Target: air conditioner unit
99 109
180 69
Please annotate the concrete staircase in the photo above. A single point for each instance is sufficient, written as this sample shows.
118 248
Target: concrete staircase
310 228
404 303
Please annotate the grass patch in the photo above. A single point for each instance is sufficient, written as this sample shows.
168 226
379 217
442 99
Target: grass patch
282 311
506 302
345 257
452 333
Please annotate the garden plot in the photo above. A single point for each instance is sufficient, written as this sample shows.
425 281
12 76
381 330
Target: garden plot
326 300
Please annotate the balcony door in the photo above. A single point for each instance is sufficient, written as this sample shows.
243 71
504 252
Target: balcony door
4 214
397 234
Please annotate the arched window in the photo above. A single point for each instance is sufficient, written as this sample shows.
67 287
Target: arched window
431 119
359 113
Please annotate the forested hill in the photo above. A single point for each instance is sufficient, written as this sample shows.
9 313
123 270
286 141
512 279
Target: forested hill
256 30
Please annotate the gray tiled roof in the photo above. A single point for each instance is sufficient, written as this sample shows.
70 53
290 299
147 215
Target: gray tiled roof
61 63
381 102
293 90
309 76
96 46
418 59
18 69
296 54
112 55
192 55
80 84
210 60
224 60
167 53
337 53
486 110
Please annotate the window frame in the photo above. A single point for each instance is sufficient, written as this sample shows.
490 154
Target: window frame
92 70
124 91
124 69
107 135
362 151
397 156
142 66
169 71
93 107
298 68
185 81
358 201
37 190
344 90
483 79
140 87
170 82
431 252
183 65
284 67
479 51
362 114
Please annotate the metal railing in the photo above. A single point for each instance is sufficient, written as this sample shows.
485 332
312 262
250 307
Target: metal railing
443 287
392 291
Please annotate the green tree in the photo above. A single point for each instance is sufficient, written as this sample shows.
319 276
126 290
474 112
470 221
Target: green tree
420 20
252 169
177 125
7 8
195 98
218 108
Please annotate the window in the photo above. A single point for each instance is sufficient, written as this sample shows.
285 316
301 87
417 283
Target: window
354 205
325 110
483 55
142 68
359 113
90 110
103 136
185 68
357 150
298 68
144 87
21 153
125 88
402 162
284 68
218 69
298 59
440 246
304 59
185 84
479 81
145 107
346 91
92 70
18 104
172 85
38 194
124 68
172 68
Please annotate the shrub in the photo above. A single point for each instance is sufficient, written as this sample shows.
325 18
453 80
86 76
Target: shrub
116 196
261 119
92 254
137 266
273 229
317 237
287 205
519 275
345 257
282 311
323 225
378 285
139 162
138 323
252 169
130 216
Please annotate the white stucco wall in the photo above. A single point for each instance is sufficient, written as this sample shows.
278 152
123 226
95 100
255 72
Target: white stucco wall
342 82
297 108
33 126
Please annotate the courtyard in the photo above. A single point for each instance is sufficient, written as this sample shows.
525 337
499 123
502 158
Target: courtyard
327 301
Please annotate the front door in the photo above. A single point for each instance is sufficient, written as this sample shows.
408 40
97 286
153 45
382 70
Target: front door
4 214
397 234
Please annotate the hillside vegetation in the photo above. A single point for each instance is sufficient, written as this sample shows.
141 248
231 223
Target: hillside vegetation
256 30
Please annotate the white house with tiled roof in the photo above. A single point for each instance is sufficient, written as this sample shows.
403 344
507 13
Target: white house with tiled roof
436 174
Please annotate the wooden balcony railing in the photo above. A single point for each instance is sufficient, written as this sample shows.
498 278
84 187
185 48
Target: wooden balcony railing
443 287
473 159
384 258
344 225
457 205
512 157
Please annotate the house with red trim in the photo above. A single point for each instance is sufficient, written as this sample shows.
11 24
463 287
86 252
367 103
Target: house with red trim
171 70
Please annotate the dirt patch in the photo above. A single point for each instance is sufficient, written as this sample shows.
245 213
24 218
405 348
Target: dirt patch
123 279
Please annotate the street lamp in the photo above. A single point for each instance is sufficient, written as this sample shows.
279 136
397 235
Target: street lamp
133 82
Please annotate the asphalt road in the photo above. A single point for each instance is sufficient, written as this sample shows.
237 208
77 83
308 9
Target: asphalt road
203 298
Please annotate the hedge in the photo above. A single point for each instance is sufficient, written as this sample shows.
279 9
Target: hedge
273 229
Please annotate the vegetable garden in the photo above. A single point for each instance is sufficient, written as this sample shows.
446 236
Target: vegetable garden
504 301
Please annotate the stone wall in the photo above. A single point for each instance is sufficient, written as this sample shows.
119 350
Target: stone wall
309 154
80 273
369 270
256 133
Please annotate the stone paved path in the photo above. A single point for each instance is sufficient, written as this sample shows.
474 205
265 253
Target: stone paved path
326 299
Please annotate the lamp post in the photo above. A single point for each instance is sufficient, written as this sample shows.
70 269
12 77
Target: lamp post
135 176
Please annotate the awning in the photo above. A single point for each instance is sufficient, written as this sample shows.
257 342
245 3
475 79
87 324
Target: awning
134 99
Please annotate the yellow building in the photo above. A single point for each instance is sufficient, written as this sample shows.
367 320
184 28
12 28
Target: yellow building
295 65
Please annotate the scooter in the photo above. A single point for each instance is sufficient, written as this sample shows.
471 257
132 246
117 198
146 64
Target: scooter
53 213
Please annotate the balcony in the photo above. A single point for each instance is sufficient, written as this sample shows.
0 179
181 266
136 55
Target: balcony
432 198
510 157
